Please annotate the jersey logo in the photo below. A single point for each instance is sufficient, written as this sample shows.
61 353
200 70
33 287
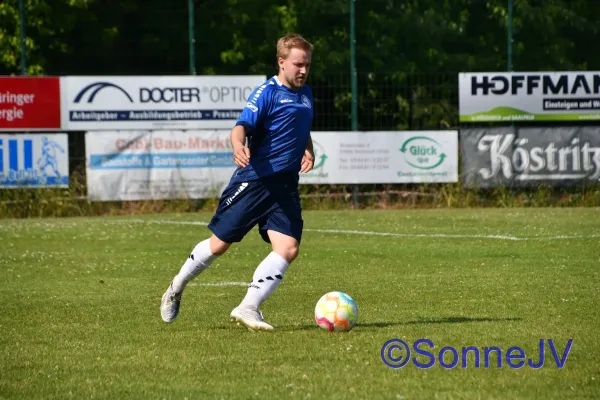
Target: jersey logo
252 107
306 101
258 92
286 101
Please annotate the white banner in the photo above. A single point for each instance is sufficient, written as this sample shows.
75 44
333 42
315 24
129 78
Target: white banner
529 96
384 157
154 102
34 160
144 165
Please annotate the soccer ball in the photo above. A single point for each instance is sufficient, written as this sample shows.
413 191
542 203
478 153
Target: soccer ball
336 311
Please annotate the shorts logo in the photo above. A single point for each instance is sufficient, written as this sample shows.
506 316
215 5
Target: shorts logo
306 101
243 186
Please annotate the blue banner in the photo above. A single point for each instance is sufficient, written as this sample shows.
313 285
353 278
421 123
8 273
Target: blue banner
28 160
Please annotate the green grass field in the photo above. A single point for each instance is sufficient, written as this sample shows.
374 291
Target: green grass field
80 307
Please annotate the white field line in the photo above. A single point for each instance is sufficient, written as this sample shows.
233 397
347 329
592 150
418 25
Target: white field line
244 284
392 234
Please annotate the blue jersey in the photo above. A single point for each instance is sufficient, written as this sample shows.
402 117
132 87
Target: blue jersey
278 121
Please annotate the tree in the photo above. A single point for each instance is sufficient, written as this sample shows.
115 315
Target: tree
48 25
408 52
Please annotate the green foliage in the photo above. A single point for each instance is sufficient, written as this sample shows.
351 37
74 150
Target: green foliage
238 36
49 25
71 202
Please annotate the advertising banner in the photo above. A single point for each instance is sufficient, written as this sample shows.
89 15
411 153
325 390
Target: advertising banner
154 102
505 157
144 165
529 96
29 103
384 157
35 161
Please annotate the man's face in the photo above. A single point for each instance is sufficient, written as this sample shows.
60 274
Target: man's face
295 67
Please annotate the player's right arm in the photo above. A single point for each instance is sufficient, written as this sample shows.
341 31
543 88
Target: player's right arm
241 153
252 117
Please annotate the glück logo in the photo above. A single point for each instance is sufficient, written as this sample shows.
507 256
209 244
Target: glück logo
423 152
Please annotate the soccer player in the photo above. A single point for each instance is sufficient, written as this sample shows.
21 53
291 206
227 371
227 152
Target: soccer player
263 190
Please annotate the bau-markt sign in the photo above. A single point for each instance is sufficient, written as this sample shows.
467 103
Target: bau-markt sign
529 96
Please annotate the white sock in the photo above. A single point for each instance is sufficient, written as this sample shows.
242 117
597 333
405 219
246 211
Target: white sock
198 261
267 277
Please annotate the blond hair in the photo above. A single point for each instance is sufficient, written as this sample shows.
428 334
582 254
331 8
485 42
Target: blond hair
292 41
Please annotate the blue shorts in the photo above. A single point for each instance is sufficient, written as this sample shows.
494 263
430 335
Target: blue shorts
271 203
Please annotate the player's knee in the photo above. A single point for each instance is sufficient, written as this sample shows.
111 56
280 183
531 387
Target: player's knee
290 252
284 245
217 246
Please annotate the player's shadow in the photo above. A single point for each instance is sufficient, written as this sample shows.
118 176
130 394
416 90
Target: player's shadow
361 325
386 324
458 320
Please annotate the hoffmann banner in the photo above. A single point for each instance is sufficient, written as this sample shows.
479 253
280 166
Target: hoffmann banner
529 96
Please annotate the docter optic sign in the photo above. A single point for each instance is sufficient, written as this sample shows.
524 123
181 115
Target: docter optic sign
154 102
529 96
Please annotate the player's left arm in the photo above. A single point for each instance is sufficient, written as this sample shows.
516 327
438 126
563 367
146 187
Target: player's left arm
308 160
